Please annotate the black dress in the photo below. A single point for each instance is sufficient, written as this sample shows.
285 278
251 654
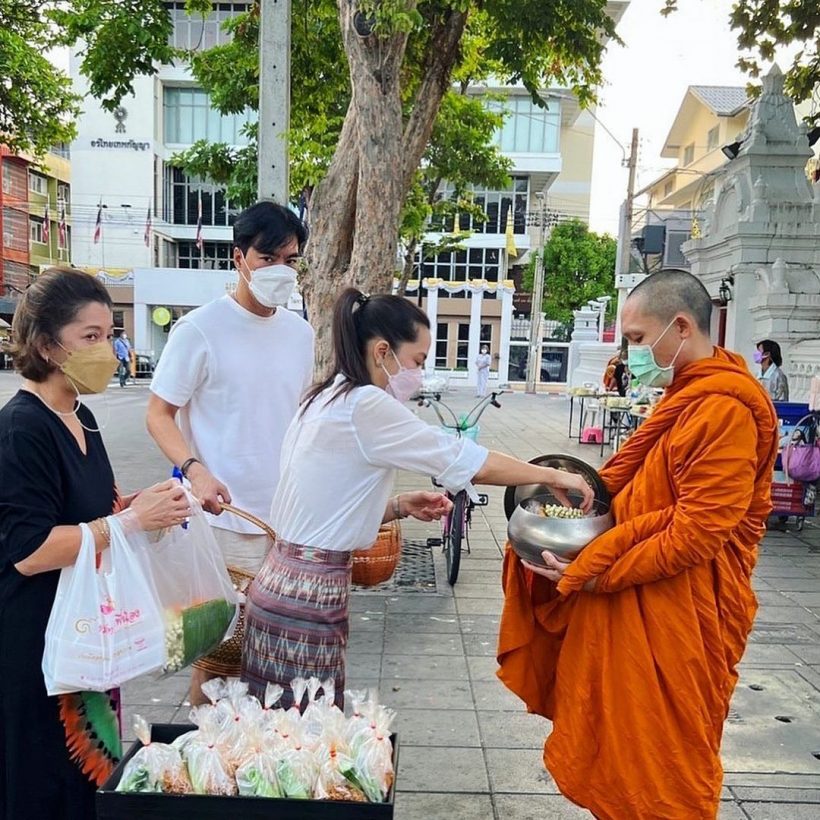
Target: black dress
45 481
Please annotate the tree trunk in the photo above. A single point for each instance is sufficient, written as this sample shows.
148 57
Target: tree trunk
332 221
375 75
409 265
355 211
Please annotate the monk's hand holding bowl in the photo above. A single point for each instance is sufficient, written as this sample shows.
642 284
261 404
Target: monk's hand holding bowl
553 569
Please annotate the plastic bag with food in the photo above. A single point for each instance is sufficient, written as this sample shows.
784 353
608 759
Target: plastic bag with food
156 767
204 755
199 602
372 751
336 778
296 768
256 774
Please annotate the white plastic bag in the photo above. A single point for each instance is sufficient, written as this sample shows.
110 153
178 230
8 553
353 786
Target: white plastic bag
106 625
199 603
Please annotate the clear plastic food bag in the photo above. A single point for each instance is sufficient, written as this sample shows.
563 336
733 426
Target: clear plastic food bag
200 605
156 767
204 756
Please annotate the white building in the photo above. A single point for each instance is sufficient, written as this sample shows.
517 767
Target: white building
121 170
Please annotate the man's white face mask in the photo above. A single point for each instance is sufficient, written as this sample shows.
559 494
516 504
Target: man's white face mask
272 285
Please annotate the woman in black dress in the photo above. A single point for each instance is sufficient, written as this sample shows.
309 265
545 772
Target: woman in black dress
54 474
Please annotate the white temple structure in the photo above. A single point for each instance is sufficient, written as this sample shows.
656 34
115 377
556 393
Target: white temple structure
760 239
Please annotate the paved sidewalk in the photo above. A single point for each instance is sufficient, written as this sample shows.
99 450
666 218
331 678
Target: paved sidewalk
468 749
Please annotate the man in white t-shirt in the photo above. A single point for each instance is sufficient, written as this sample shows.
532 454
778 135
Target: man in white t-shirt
229 382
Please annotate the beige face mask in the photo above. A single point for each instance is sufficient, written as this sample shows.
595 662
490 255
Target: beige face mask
89 369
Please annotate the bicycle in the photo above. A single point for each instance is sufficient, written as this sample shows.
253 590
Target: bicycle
456 524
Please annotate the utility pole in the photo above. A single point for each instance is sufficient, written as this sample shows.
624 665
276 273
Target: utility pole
274 100
537 301
626 244
622 266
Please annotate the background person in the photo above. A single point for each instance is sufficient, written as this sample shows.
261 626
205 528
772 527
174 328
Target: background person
770 359
122 350
229 382
482 363
54 474
339 462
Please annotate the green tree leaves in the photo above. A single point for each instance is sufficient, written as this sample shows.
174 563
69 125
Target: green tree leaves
37 105
579 265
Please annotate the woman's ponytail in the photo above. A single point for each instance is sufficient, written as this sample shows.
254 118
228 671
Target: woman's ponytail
358 318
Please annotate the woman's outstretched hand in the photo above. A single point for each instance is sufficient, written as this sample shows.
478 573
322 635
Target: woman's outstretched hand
560 481
425 506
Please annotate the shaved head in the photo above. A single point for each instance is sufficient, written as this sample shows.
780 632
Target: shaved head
666 294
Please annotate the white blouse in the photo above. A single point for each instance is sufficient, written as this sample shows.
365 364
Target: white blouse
339 461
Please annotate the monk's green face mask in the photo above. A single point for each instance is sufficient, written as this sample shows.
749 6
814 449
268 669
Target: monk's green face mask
645 368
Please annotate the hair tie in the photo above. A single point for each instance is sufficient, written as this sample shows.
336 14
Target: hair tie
362 299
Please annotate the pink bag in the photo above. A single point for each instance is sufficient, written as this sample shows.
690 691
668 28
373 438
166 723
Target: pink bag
801 458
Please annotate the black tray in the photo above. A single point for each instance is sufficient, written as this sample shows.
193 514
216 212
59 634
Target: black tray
114 805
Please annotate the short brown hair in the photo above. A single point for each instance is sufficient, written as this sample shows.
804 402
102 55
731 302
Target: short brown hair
50 303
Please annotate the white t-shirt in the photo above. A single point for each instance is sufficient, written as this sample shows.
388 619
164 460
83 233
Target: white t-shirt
238 379
339 460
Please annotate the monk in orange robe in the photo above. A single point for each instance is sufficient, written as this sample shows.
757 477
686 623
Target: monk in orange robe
632 649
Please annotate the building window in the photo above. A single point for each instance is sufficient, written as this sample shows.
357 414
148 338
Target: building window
37 183
15 227
689 154
668 188
195 33
189 117
528 128
119 319
486 334
214 255
463 346
442 340
7 178
63 193
495 204
182 195
62 149
459 266
35 229
713 138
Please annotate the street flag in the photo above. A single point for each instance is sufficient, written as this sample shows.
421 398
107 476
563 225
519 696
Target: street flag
62 231
148 226
98 225
199 239
512 251
46 226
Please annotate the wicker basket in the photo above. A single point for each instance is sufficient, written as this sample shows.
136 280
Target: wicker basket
226 659
377 564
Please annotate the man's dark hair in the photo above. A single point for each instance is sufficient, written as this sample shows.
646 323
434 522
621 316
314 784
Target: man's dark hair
669 292
266 227
772 349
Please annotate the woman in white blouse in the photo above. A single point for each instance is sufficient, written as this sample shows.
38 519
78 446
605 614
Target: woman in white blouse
339 459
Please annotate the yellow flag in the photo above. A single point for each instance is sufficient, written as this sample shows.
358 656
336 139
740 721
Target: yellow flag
512 251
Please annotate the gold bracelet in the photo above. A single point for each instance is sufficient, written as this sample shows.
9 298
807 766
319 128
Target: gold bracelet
100 526
396 507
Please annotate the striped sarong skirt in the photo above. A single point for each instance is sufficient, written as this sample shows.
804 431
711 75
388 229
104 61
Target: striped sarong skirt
296 619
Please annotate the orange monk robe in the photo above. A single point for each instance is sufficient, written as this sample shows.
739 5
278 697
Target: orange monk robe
637 676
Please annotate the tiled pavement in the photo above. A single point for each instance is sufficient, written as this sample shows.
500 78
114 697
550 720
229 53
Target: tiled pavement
468 749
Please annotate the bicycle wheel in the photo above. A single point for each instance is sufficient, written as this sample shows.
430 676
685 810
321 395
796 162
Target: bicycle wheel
453 536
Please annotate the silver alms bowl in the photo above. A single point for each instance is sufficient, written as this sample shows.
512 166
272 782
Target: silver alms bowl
530 533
